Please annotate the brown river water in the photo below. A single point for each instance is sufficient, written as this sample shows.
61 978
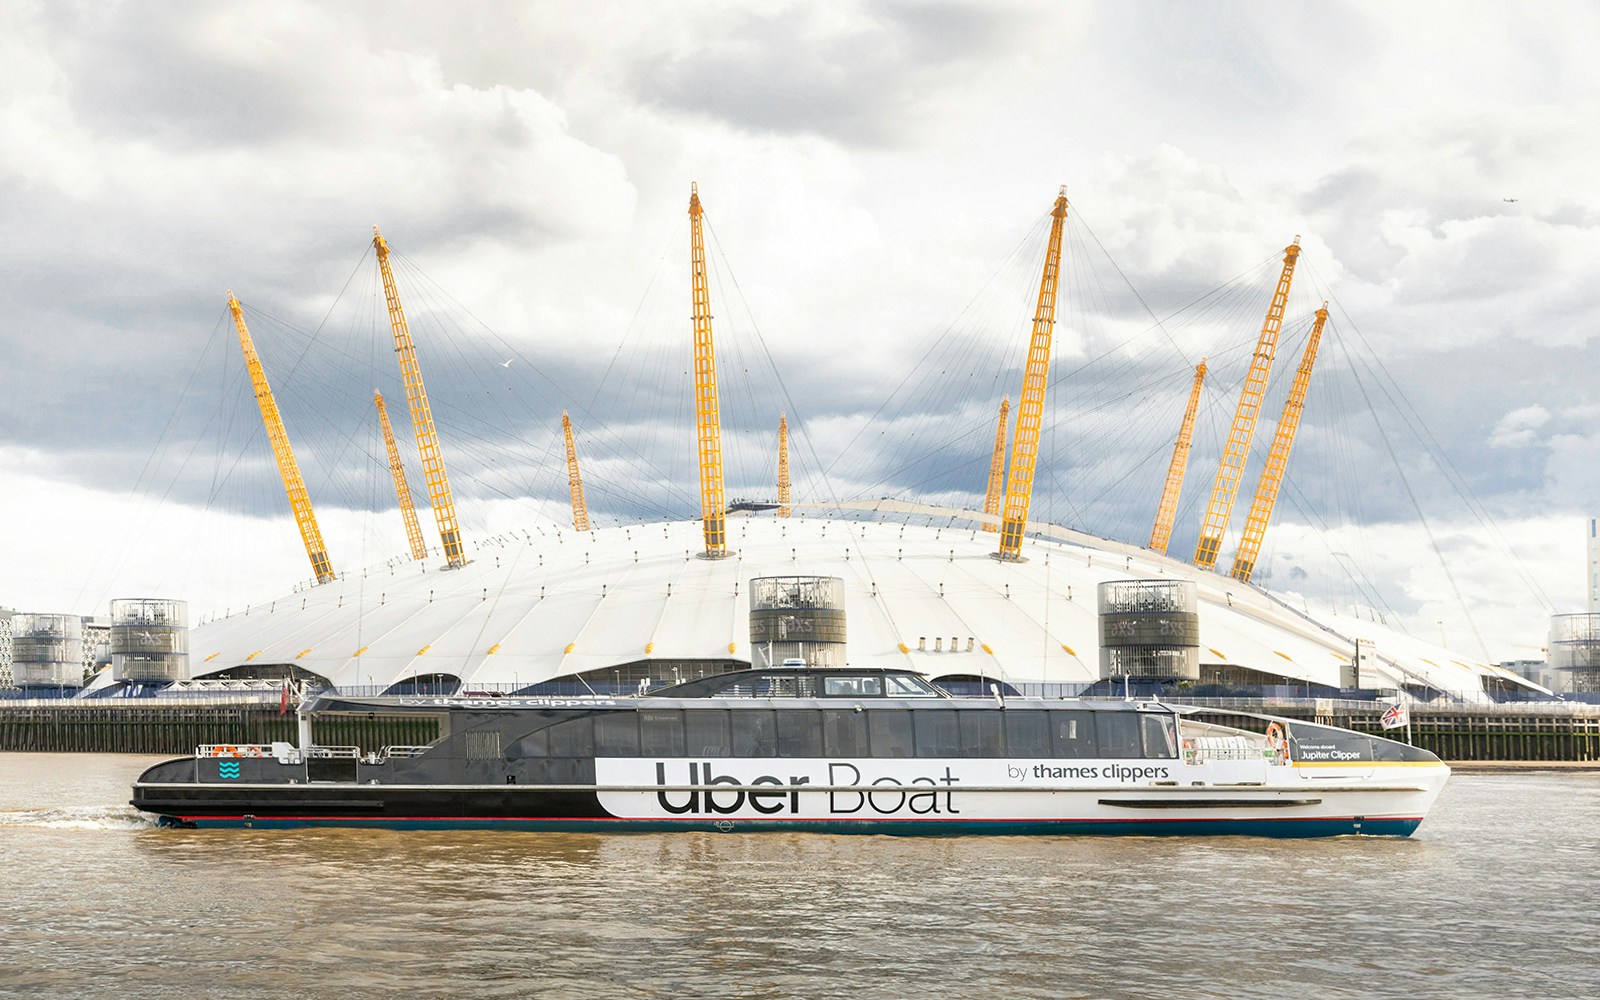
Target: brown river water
1498 895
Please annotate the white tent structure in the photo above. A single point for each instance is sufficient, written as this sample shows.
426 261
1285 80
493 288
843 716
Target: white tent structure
922 590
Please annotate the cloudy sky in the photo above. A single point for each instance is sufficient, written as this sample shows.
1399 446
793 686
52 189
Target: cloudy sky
877 178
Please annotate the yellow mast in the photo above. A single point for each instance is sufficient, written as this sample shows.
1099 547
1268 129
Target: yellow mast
997 467
402 492
708 418
580 509
1226 489
1030 409
444 509
1167 512
1244 561
288 468
783 465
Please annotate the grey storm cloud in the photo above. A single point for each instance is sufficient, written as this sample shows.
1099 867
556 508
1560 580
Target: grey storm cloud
874 79
868 167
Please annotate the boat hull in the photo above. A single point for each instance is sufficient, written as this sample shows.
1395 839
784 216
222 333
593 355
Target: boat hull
1266 812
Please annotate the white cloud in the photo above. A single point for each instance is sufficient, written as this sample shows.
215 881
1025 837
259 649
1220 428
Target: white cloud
1519 427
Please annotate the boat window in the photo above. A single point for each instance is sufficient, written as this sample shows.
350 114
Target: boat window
1027 734
798 733
1072 734
901 686
661 734
844 733
980 734
535 744
616 734
938 733
891 732
573 738
706 732
1159 738
754 732
857 687
1119 734
798 686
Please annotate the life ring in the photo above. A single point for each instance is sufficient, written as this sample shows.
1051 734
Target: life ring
1276 740
225 751
252 751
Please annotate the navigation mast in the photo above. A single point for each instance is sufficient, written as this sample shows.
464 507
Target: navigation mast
288 468
1226 489
1030 409
1255 529
402 491
997 468
1167 510
783 465
580 508
444 509
708 418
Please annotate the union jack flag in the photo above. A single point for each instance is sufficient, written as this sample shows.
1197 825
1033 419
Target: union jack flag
1395 717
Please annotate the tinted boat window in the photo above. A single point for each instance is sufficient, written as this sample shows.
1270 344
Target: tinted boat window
1027 734
1159 738
860 687
844 733
661 734
799 734
1119 734
535 744
802 686
904 687
755 733
573 738
980 734
938 733
1073 734
706 732
891 733
616 734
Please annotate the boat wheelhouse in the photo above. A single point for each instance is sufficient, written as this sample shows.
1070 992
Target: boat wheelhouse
839 750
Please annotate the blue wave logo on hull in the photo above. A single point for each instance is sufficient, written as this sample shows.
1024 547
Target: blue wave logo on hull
228 769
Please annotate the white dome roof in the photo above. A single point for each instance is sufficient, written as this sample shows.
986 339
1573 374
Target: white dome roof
535 607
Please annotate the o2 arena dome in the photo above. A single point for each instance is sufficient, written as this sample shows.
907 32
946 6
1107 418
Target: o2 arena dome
989 598
617 606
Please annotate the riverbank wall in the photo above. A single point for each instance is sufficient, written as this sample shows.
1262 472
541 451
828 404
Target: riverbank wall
1514 732
178 729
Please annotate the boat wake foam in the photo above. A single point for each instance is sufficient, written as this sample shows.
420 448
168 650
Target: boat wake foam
81 818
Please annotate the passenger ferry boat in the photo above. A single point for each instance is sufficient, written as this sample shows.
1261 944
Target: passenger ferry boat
839 750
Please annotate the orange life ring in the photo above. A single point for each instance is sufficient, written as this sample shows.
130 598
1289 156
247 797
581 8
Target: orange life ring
225 751
252 751
1276 740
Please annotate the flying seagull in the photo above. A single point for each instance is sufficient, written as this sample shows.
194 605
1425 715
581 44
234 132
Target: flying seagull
1508 200
506 363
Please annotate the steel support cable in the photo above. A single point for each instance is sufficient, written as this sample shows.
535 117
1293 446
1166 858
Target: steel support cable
748 463
1426 527
1420 429
906 380
597 435
148 468
970 334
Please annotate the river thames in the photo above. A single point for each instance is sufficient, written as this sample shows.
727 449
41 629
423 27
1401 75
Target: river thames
1496 896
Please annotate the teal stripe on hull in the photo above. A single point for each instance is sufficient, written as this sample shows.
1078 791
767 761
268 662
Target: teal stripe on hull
1282 828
